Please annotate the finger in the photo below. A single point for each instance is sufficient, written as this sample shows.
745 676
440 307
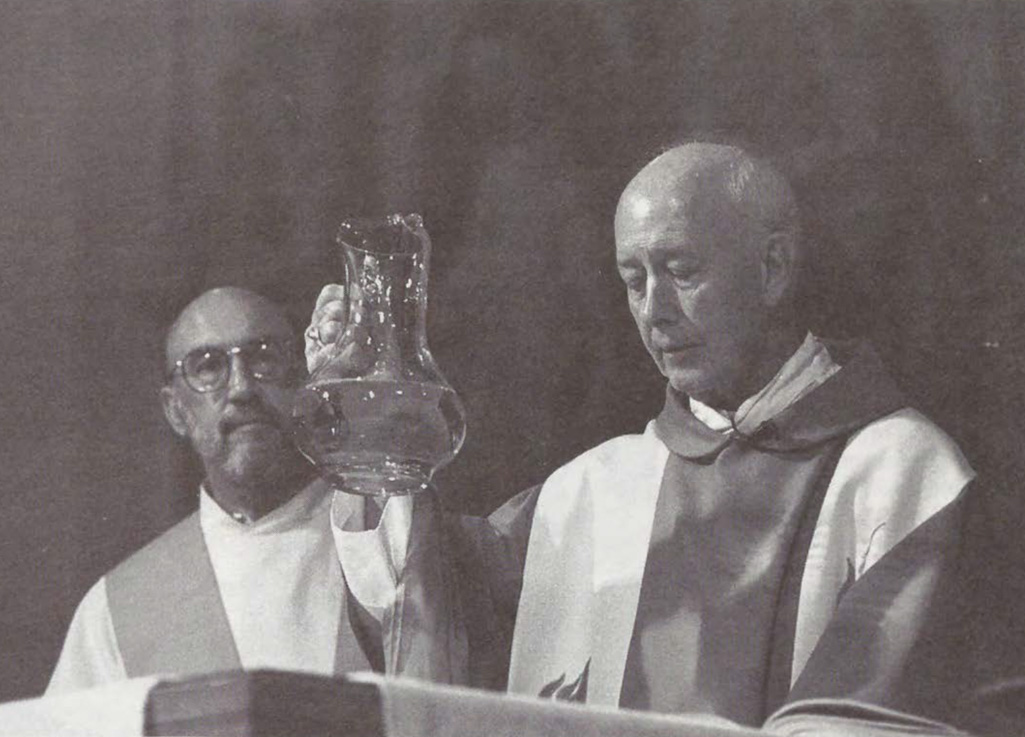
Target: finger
329 312
326 323
330 293
330 330
330 306
323 335
312 342
316 354
319 340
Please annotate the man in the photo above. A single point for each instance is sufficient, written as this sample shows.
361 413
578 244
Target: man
739 546
252 578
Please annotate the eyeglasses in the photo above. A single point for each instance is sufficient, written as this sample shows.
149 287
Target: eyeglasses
207 369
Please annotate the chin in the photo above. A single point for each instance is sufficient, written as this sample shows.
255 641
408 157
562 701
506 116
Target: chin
250 465
692 382
708 394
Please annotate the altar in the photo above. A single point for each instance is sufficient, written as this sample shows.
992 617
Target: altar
265 703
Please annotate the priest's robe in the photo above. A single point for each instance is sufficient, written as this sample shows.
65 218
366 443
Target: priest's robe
699 568
214 593
965 662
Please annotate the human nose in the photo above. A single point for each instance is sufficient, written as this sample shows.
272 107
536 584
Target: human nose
659 301
241 383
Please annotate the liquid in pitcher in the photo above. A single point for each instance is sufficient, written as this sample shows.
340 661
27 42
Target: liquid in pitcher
378 437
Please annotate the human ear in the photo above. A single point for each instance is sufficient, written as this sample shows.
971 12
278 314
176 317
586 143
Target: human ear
779 267
174 412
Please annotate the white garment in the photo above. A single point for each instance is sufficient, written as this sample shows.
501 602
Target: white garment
373 559
592 525
112 710
902 456
279 581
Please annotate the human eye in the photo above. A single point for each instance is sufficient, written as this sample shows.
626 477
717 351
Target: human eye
683 273
267 358
633 279
206 365
271 359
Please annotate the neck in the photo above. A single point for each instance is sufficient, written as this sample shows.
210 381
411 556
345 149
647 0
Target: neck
780 344
253 501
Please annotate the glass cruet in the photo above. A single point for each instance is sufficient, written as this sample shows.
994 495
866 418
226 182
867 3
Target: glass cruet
377 417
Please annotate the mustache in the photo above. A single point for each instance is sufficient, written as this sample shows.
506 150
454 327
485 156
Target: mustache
236 418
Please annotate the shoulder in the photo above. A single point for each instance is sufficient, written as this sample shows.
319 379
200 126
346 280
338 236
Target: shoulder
166 545
92 613
893 475
909 441
93 606
620 471
616 455
610 456
89 656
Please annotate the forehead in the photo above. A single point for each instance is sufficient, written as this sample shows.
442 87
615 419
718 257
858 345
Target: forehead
675 223
225 322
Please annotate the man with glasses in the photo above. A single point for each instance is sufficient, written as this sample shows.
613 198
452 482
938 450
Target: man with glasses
252 579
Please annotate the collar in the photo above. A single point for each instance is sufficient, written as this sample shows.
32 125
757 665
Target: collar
806 369
826 389
298 510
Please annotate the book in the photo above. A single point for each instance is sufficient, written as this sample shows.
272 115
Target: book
853 718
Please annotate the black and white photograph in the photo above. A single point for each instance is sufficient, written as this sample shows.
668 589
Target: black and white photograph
548 368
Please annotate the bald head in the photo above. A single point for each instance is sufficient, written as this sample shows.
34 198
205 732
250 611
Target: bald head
224 315
707 244
713 181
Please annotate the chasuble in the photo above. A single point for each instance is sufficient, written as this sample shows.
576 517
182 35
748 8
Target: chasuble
697 566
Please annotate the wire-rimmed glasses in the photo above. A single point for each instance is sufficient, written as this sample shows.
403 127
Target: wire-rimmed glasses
206 369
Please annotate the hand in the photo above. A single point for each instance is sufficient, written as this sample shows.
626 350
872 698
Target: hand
326 325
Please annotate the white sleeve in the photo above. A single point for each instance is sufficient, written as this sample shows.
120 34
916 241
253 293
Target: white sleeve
372 560
90 656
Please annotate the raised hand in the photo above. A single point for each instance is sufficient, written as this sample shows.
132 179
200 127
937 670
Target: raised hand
326 325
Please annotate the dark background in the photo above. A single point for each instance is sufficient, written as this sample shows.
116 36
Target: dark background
151 150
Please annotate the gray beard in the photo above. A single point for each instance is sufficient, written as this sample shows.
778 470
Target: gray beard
260 469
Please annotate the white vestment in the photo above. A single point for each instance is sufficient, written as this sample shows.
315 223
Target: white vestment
278 578
589 538
591 529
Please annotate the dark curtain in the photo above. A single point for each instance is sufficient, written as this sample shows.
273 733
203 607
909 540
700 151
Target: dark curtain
152 150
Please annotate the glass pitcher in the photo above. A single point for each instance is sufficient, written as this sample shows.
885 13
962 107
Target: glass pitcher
377 417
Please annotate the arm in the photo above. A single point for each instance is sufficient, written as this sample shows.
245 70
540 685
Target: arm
441 588
497 544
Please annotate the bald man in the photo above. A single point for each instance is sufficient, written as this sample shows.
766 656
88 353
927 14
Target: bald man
741 546
250 580
781 469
